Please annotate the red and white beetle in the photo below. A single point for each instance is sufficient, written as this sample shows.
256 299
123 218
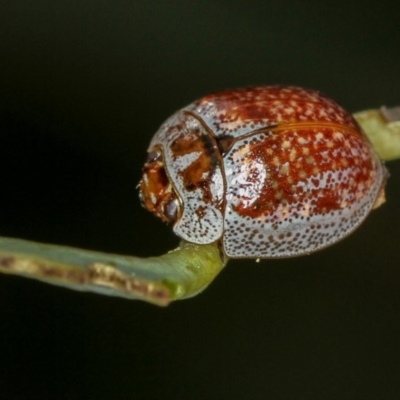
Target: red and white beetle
269 171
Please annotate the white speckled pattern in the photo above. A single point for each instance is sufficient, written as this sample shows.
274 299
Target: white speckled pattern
201 220
296 173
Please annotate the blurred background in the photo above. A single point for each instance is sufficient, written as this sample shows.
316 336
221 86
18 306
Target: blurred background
83 87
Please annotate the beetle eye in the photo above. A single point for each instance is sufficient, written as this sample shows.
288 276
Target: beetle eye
153 156
171 210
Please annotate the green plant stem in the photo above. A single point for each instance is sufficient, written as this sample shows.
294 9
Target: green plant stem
179 274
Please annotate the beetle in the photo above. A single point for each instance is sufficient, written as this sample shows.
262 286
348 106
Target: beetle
268 171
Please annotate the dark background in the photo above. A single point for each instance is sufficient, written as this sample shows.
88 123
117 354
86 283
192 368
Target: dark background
83 87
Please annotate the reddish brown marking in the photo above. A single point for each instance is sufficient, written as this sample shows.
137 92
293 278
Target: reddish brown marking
198 174
329 158
275 103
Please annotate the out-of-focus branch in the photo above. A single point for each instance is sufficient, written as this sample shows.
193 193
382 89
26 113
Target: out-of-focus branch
383 129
